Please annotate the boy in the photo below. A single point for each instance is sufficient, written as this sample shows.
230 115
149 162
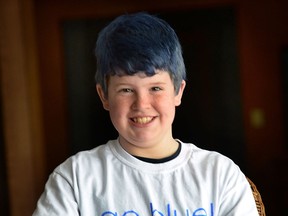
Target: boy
140 80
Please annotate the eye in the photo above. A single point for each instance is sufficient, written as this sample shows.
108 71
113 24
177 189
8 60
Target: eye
126 90
156 88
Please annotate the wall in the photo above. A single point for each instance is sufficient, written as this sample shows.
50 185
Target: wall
263 34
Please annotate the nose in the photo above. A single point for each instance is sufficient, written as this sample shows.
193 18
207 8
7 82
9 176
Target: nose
141 101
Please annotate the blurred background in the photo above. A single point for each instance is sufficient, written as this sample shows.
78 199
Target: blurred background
236 100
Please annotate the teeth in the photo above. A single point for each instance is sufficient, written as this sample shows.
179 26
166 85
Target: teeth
142 120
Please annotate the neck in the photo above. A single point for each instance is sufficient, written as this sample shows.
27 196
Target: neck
161 160
153 151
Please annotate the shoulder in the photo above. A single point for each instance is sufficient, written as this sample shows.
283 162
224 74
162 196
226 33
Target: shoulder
216 170
203 155
210 161
85 160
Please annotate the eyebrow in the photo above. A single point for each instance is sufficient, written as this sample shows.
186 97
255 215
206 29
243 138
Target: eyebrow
151 83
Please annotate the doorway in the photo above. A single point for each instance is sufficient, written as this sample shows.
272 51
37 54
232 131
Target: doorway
210 115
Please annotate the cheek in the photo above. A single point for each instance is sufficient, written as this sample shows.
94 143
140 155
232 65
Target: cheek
168 101
167 107
115 117
114 110
117 110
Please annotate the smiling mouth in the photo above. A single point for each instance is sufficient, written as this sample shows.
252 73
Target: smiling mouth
142 120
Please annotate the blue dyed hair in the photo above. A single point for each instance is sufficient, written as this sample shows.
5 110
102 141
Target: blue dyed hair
135 43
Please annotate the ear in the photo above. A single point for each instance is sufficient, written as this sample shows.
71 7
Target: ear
178 97
102 97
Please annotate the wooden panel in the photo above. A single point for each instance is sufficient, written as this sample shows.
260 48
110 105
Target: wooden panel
21 107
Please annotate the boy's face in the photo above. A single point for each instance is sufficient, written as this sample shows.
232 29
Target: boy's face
142 110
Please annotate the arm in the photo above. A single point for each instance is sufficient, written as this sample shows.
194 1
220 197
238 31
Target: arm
58 198
237 196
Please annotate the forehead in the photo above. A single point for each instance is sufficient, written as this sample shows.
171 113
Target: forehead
141 78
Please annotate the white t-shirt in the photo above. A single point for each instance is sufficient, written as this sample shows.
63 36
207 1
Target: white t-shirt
108 181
